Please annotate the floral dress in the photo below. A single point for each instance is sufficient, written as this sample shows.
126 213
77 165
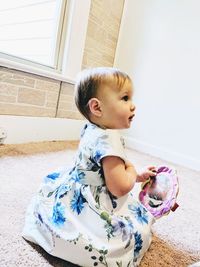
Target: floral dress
75 217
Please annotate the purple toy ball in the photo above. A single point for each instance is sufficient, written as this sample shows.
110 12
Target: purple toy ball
159 193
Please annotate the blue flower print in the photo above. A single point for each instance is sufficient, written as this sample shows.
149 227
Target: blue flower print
80 156
40 217
58 214
77 203
98 155
138 243
113 200
62 190
140 213
92 165
122 227
101 143
53 176
76 175
83 130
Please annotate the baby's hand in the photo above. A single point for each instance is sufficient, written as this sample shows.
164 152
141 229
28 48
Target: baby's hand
146 174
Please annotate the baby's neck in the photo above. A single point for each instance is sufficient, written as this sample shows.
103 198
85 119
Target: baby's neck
98 122
99 125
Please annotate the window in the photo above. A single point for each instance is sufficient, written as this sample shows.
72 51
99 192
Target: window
40 36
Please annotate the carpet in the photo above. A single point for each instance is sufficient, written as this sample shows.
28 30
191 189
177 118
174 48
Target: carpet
176 237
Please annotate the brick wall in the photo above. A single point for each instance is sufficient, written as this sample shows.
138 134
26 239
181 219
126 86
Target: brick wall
102 33
31 95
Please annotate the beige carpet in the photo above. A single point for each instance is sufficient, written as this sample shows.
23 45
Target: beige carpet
176 240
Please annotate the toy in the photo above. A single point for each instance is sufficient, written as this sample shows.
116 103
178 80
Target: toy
159 193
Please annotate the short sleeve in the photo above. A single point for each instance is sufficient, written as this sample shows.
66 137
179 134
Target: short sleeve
109 143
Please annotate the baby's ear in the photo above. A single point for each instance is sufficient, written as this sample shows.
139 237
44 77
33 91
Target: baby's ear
95 107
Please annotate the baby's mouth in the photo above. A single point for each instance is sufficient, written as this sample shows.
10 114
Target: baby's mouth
131 117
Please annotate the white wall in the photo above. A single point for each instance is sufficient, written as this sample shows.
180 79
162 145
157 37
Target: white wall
159 46
21 129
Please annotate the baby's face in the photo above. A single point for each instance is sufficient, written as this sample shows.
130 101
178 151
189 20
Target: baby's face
118 109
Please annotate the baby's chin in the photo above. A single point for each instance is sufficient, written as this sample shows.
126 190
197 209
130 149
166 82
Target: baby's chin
121 126
124 127
129 125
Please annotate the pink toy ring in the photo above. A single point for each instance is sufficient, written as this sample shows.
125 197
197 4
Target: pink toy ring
159 193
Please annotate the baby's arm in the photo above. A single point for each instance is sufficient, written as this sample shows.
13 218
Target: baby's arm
120 177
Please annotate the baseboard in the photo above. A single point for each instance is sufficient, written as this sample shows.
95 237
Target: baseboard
162 153
21 129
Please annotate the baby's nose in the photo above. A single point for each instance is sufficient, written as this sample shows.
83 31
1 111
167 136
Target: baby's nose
133 107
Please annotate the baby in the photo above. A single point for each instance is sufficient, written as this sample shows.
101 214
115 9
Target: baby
90 209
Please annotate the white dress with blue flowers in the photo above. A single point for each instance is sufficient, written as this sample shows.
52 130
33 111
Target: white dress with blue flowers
75 217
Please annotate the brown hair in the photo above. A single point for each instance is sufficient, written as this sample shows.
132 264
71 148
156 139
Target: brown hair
90 80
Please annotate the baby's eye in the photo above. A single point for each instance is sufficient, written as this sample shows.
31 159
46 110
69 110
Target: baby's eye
125 98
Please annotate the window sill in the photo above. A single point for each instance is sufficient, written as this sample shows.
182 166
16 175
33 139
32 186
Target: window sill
45 72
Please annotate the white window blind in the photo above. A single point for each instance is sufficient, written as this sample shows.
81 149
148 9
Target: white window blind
37 35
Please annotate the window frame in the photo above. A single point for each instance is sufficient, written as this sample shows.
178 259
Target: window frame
69 53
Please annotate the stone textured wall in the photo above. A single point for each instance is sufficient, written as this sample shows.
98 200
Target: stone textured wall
32 95
66 106
27 94
102 33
